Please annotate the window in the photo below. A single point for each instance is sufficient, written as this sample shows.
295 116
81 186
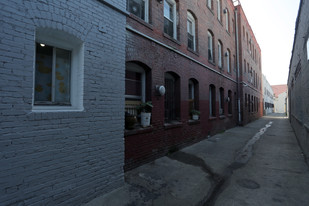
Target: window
308 49
209 4
135 87
219 9
219 54
212 100
249 103
228 61
230 106
139 8
170 18
58 71
191 31
221 101
172 97
210 47
227 23
193 95
245 66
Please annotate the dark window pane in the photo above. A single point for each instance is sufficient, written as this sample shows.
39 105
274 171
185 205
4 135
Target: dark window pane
168 27
133 83
137 7
43 73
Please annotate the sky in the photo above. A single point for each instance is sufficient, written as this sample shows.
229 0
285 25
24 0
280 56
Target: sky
273 23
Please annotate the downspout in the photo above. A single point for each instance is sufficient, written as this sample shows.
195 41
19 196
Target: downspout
237 66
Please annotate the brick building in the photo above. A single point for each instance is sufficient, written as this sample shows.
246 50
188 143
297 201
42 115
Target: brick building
205 55
298 81
61 100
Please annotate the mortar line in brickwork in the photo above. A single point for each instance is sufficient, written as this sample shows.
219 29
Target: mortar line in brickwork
178 52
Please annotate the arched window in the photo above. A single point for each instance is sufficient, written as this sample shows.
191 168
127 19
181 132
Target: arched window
136 87
212 100
227 20
220 51
228 61
210 46
170 17
209 4
172 97
221 101
191 31
193 95
230 102
219 9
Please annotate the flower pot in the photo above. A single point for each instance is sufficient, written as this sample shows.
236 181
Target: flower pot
145 119
195 117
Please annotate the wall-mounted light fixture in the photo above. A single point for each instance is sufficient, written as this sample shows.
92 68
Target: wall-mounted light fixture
160 90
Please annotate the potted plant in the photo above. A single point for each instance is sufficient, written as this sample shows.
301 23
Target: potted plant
195 114
145 110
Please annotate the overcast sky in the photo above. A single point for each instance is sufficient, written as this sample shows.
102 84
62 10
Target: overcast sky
273 23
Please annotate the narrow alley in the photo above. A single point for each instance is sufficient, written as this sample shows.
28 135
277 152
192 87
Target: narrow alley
258 164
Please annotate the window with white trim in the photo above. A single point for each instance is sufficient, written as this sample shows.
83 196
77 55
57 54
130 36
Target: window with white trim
227 21
219 54
209 4
308 49
58 82
139 8
212 100
228 61
170 25
219 9
210 47
191 31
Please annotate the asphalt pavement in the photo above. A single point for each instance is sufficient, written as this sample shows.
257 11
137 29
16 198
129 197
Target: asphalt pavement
257 164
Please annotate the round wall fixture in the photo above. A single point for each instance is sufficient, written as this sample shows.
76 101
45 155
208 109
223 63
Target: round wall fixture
160 90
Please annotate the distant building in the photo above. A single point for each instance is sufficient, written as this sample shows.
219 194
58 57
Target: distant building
280 98
268 97
298 81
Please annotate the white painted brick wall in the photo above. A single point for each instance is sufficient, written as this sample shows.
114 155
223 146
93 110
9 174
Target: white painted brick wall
61 158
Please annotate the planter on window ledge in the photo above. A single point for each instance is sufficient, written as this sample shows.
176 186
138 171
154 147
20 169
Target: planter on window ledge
195 114
145 110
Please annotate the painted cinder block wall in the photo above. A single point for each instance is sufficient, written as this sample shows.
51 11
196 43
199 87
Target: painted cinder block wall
147 44
61 158
298 81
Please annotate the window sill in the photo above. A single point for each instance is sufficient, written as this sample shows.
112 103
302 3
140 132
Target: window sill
139 130
212 62
193 122
171 38
141 21
171 125
56 109
212 118
192 51
211 10
222 117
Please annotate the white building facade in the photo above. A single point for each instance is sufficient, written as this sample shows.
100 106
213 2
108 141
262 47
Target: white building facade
268 97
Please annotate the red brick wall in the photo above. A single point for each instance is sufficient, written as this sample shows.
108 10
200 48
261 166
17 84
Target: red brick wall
144 145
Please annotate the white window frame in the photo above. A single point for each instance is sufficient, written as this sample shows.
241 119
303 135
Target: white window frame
210 46
66 41
136 68
219 9
227 22
146 9
219 54
308 49
228 63
209 4
174 20
192 20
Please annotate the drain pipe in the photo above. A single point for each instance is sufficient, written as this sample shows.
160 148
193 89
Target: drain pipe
237 66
